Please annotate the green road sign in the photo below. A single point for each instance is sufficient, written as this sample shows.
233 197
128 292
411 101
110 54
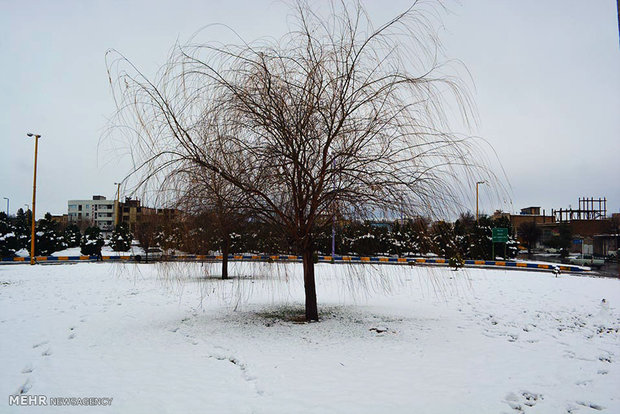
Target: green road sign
500 235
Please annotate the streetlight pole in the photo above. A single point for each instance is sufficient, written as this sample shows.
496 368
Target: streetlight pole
8 212
477 184
334 217
34 194
117 205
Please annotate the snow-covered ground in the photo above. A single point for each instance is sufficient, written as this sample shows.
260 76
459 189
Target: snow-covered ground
76 251
395 339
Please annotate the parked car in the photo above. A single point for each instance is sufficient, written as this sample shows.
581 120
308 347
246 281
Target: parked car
612 256
587 260
154 253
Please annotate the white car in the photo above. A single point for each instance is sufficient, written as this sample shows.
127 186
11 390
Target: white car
587 260
154 253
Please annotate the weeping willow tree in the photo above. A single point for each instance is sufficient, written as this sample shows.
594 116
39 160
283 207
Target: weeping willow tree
337 112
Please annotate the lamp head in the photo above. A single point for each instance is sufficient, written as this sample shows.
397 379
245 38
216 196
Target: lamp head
30 134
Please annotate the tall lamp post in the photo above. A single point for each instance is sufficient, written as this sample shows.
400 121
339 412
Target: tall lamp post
477 184
117 205
8 212
34 193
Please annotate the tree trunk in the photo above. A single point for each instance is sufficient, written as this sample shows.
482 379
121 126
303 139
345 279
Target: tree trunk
225 251
312 312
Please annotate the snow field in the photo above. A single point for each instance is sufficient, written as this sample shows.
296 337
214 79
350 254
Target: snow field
172 338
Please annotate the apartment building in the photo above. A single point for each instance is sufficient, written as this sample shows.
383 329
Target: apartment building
98 211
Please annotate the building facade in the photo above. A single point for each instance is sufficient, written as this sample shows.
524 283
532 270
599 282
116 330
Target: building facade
96 212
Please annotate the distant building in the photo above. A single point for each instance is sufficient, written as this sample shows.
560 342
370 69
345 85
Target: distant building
106 214
532 215
532 211
589 224
96 212
133 213
61 219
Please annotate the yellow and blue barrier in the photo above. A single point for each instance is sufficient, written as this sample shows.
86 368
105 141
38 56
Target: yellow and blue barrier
321 259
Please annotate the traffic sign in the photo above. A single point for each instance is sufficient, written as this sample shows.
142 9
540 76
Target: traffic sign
500 235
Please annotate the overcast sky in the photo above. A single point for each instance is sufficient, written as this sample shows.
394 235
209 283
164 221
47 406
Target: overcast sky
545 76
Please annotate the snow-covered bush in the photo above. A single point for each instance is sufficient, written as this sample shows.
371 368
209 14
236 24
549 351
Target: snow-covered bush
121 238
48 240
73 236
9 240
92 241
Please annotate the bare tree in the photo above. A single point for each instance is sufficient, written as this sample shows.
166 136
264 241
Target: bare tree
205 193
336 112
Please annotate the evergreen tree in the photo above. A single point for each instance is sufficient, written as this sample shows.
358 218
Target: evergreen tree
92 241
444 240
22 224
121 238
9 242
72 236
418 233
397 240
364 239
47 238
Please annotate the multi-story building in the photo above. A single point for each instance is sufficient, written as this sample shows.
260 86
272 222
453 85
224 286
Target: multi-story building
105 214
98 211
133 213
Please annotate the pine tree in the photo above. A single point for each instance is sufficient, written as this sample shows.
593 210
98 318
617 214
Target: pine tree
121 238
9 241
92 241
72 236
22 223
47 238
444 240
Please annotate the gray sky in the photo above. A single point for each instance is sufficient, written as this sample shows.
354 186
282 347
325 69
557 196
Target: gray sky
545 76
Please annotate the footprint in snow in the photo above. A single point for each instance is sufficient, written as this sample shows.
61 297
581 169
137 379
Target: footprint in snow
605 358
24 388
590 404
27 369
518 402
40 344
47 352
71 336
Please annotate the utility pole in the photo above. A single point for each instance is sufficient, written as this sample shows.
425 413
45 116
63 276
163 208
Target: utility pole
477 184
117 204
34 194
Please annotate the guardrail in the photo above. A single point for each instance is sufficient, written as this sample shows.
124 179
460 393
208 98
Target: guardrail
321 259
